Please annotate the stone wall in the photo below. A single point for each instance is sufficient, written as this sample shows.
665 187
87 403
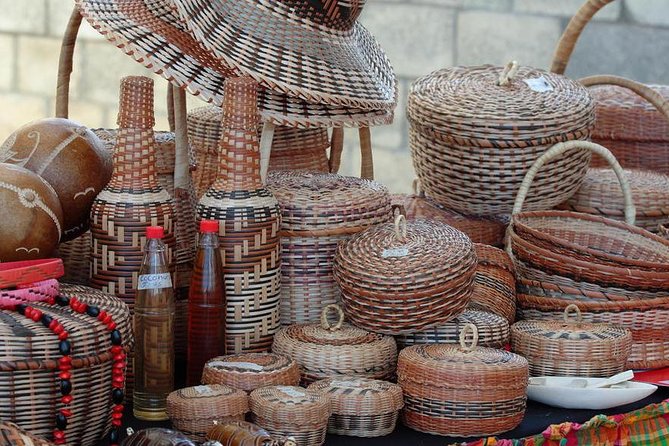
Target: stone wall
627 38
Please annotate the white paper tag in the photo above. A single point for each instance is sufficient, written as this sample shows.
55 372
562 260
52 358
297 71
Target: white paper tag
240 365
291 391
154 281
203 390
346 384
538 84
401 251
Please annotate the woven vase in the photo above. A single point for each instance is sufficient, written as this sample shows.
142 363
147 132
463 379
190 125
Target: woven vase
249 219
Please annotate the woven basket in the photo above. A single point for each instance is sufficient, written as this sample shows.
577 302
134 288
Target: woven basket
12 435
249 371
29 373
571 347
361 407
405 277
462 390
505 116
494 283
243 433
291 412
327 349
664 230
195 410
319 211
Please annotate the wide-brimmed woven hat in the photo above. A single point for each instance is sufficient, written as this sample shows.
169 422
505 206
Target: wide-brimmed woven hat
151 32
313 49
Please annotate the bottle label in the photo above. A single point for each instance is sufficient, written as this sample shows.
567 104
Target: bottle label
154 281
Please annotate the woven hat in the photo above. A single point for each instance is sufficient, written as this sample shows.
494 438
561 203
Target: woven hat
151 33
315 50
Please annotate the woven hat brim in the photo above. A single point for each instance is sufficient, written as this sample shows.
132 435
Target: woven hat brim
175 55
263 40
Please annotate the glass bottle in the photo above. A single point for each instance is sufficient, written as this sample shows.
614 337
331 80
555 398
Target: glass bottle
206 304
154 331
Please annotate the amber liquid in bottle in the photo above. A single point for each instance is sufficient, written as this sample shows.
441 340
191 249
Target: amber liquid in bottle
206 304
154 332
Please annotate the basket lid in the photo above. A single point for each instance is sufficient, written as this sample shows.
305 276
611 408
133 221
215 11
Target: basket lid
223 401
250 363
313 201
490 106
351 395
299 405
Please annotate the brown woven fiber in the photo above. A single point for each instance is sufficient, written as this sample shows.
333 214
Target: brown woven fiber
195 410
475 131
329 349
494 283
291 412
11 434
361 407
462 390
405 277
318 212
29 367
571 347
249 371
664 230
76 255
249 217
243 433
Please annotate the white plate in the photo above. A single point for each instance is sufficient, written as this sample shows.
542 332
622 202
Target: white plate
557 391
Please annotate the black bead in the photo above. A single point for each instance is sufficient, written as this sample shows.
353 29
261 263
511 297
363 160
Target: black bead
46 320
61 422
116 338
114 436
21 308
64 347
117 396
92 311
65 387
63 301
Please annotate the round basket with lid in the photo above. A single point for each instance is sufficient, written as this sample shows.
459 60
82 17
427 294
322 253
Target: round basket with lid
248 371
571 347
475 131
325 349
462 390
361 407
405 277
291 412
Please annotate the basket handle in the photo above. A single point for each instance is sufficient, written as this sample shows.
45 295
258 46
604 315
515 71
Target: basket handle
325 323
559 149
572 308
508 73
400 227
469 328
567 42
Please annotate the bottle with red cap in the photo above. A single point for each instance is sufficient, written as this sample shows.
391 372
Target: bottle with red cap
206 304
154 331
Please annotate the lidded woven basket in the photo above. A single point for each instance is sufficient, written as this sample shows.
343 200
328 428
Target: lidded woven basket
325 349
195 410
462 390
291 412
475 131
361 407
249 371
571 347
405 277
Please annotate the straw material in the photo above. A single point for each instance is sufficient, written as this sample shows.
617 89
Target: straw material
249 371
29 371
243 433
664 230
462 390
318 212
361 407
405 277
195 410
571 347
494 283
291 411
13 435
472 139
76 255
325 349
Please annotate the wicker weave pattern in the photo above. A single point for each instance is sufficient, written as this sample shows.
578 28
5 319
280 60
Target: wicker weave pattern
249 371
11 434
495 282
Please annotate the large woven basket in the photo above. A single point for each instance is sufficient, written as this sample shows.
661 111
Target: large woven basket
475 131
462 390
29 373
319 211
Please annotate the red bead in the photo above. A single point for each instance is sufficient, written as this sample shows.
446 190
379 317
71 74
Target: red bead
111 326
116 349
52 326
67 399
117 423
66 375
102 316
118 408
120 365
65 360
51 300
118 379
117 415
58 435
120 357
58 329
66 412
61 441
28 312
62 336
36 315
107 320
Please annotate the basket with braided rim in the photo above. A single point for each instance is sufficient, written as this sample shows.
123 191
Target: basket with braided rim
249 371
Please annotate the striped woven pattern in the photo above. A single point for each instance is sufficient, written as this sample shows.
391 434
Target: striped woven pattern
494 283
11 434
250 371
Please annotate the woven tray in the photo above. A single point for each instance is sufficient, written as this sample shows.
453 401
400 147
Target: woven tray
249 371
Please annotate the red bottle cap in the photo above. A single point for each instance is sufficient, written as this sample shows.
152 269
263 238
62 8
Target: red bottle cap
155 232
209 226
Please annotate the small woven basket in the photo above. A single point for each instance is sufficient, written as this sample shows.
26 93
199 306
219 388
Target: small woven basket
12 435
195 410
249 371
291 412
326 349
495 282
571 347
361 407
462 390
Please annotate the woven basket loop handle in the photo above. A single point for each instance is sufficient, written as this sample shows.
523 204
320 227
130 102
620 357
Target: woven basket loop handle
559 149
325 323
469 328
572 308
418 188
399 209
400 227
508 73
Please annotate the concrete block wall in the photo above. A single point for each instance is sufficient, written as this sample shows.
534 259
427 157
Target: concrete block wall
628 38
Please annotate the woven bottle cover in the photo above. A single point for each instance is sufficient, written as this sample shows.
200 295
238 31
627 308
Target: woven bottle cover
297 406
248 371
16 274
352 395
